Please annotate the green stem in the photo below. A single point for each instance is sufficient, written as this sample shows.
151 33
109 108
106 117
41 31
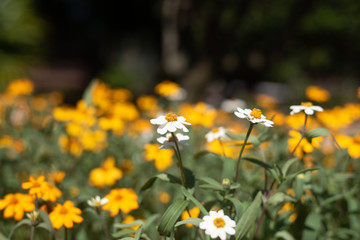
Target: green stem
32 231
238 164
65 233
178 155
104 226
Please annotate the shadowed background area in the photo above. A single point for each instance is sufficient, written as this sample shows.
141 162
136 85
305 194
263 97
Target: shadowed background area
214 49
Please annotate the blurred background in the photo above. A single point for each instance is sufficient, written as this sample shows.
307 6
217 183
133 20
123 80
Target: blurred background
214 49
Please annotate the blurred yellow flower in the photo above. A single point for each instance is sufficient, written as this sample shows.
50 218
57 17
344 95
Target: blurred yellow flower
194 212
51 193
339 117
93 140
125 111
162 157
164 197
198 114
140 126
56 176
289 207
121 95
277 117
317 94
21 86
121 199
106 175
37 187
65 215
16 204
351 143
71 145
147 102
305 146
111 123
170 90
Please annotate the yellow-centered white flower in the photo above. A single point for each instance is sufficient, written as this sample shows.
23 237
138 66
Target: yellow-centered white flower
307 107
170 123
254 116
169 143
97 202
216 224
216 133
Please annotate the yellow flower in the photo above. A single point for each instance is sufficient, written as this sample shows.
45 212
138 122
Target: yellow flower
277 117
121 95
162 157
111 123
351 143
51 193
170 90
56 176
21 86
93 140
199 114
63 114
289 207
37 187
125 111
124 199
304 146
318 94
106 175
65 215
147 102
101 94
194 212
164 197
16 204
69 144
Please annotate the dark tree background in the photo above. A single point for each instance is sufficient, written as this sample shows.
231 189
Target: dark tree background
225 46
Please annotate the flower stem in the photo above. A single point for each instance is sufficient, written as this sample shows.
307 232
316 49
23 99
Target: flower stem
178 155
32 231
238 164
65 233
104 226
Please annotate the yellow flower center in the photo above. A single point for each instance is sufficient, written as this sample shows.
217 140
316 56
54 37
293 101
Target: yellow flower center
13 201
171 117
219 222
356 139
256 113
171 139
63 211
215 130
306 104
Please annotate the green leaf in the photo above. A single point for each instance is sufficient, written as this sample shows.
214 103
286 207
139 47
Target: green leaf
317 132
45 218
128 225
211 181
150 221
123 233
276 198
44 226
298 188
275 175
247 220
171 215
239 208
202 154
194 200
2 237
19 224
189 178
241 137
211 187
312 226
284 235
229 166
138 233
194 221
288 164
87 96
258 162
162 176
291 176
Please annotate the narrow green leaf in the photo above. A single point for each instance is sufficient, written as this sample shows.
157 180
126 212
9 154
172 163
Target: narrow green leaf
241 137
194 221
317 132
298 188
275 175
162 176
291 176
138 233
276 198
150 221
258 162
128 225
288 164
2 237
284 235
210 181
312 226
19 224
194 200
171 215
211 187
45 218
123 233
247 220
239 207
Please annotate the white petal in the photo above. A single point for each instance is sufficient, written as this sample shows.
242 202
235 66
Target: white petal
171 127
162 129
162 140
309 111
159 120
222 235
240 115
317 108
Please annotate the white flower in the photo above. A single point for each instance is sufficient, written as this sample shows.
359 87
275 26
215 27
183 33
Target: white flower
216 224
170 123
307 107
97 202
216 133
254 116
168 141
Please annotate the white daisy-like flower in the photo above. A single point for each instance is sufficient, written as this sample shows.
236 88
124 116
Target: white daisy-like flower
254 116
170 123
216 224
169 143
97 202
216 133
307 107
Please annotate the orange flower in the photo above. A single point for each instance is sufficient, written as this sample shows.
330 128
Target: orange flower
21 86
16 204
194 212
198 114
106 175
51 193
304 146
351 143
318 94
65 215
56 176
124 199
164 197
162 157
36 187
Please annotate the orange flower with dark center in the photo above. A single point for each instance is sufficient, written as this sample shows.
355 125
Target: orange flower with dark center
36 187
65 215
124 199
16 204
